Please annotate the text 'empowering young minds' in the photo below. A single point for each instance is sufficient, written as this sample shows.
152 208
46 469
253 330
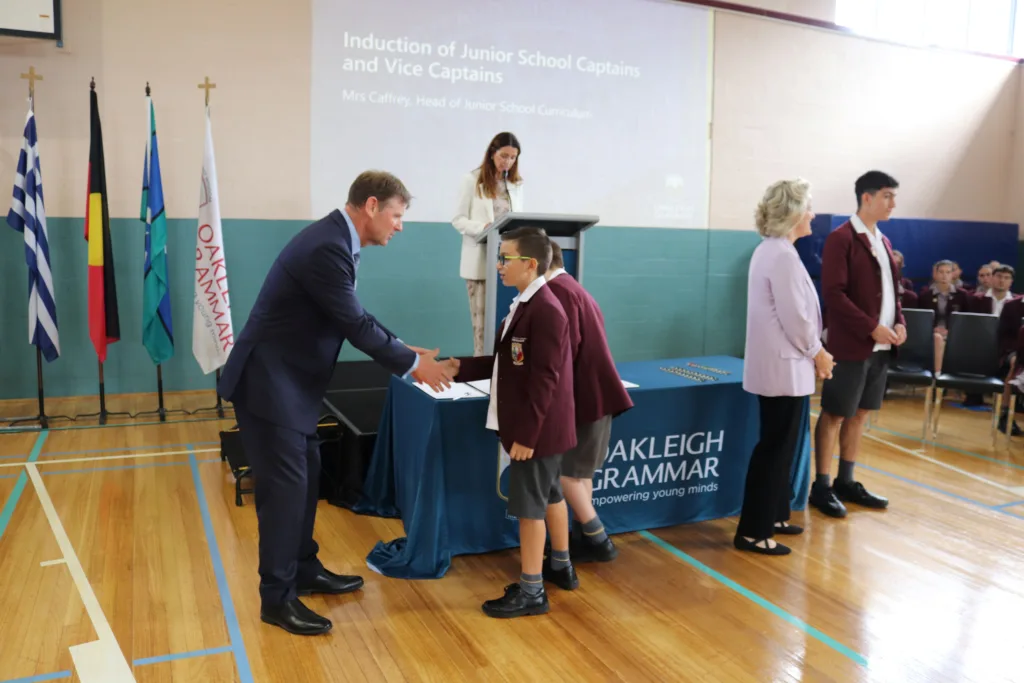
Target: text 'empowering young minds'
458 61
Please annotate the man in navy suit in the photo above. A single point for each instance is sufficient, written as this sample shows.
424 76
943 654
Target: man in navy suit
277 376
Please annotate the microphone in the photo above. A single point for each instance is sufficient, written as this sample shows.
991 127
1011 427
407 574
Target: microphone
508 193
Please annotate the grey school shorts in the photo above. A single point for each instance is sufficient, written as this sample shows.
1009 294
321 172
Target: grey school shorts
533 485
591 448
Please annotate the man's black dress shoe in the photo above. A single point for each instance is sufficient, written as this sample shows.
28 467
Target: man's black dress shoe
296 618
329 583
824 498
854 492
516 603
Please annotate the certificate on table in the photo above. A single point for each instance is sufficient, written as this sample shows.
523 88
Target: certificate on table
456 391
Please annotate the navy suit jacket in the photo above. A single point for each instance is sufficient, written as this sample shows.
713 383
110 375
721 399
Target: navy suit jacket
282 362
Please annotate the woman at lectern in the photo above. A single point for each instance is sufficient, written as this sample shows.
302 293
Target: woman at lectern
488 193
783 356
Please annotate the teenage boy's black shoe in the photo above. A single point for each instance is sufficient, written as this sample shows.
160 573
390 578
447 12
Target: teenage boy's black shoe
516 603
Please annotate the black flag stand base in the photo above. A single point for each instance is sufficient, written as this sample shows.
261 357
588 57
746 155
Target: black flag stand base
42 418
161 411
219 407
104 413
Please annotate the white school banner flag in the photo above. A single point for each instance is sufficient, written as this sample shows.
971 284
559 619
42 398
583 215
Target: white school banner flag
212 332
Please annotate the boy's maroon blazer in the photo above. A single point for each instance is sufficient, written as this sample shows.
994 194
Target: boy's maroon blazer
852 291
597 386
535 384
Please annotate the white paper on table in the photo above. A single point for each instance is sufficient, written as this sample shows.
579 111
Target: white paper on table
629 385
456 391
481 385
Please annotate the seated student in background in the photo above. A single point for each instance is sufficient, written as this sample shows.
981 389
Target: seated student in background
957 275
908 298
599 396
943 297
533 411
1010 310
984 279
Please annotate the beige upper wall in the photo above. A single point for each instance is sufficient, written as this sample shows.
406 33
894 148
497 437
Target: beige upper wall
789 100
256 52
798 101
1015 190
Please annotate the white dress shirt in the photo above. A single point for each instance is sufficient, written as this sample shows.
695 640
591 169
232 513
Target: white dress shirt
492 407
887 316
997 304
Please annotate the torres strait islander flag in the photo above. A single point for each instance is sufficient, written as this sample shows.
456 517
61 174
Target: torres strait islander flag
104 323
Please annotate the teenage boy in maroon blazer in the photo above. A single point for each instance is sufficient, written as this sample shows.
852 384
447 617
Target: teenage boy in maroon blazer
599 396
532 410
864 322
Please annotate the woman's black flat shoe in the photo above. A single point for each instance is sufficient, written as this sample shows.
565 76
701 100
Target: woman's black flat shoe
755 547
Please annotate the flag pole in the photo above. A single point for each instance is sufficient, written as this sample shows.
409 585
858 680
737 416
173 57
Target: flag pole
41 417
147 217
103 414
207 86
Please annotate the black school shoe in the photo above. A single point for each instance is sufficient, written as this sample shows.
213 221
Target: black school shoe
825 499
583 551
854 492
516 603
564 578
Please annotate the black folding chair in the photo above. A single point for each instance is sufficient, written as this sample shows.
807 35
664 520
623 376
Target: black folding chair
971 362
916 358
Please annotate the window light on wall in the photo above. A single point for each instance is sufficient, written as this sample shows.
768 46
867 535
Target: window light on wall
976 25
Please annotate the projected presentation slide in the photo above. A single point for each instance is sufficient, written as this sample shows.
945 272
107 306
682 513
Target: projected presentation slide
608 98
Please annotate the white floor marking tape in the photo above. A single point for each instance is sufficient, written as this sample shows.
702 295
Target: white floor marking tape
1008 489
51 563
126 456
101 661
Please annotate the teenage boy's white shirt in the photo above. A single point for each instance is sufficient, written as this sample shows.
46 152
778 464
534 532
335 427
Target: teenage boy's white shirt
887 316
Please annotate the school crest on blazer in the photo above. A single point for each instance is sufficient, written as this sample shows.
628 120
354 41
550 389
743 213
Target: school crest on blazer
517 350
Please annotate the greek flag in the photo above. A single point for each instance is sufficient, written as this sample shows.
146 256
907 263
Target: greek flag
28 216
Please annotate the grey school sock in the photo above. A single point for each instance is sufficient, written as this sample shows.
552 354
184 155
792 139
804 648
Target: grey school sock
593 531
532 584
846 471
559 560
821 480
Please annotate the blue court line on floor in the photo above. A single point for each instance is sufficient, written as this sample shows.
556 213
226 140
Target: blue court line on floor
121 467
19 486
929 487
12 457
41 677
184 655
126 448
951 449
228 605
758 600
145 661
1008 505
117 424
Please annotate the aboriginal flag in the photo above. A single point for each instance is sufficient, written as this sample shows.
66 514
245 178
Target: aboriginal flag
104 324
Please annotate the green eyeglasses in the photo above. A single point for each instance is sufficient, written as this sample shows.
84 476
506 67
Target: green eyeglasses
503 259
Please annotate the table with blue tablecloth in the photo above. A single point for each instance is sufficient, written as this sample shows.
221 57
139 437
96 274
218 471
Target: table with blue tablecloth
680 455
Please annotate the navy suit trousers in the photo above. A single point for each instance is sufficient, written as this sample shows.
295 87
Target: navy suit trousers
286 468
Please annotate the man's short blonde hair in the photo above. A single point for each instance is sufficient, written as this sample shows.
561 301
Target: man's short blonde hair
783 205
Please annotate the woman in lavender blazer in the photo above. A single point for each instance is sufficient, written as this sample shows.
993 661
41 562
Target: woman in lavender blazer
783 356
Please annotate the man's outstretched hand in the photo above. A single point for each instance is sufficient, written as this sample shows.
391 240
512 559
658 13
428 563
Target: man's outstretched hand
437 376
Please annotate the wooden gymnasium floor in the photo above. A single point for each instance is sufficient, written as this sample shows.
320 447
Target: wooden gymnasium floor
160 565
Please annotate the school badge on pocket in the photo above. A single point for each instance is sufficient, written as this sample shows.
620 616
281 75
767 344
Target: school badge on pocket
517 351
